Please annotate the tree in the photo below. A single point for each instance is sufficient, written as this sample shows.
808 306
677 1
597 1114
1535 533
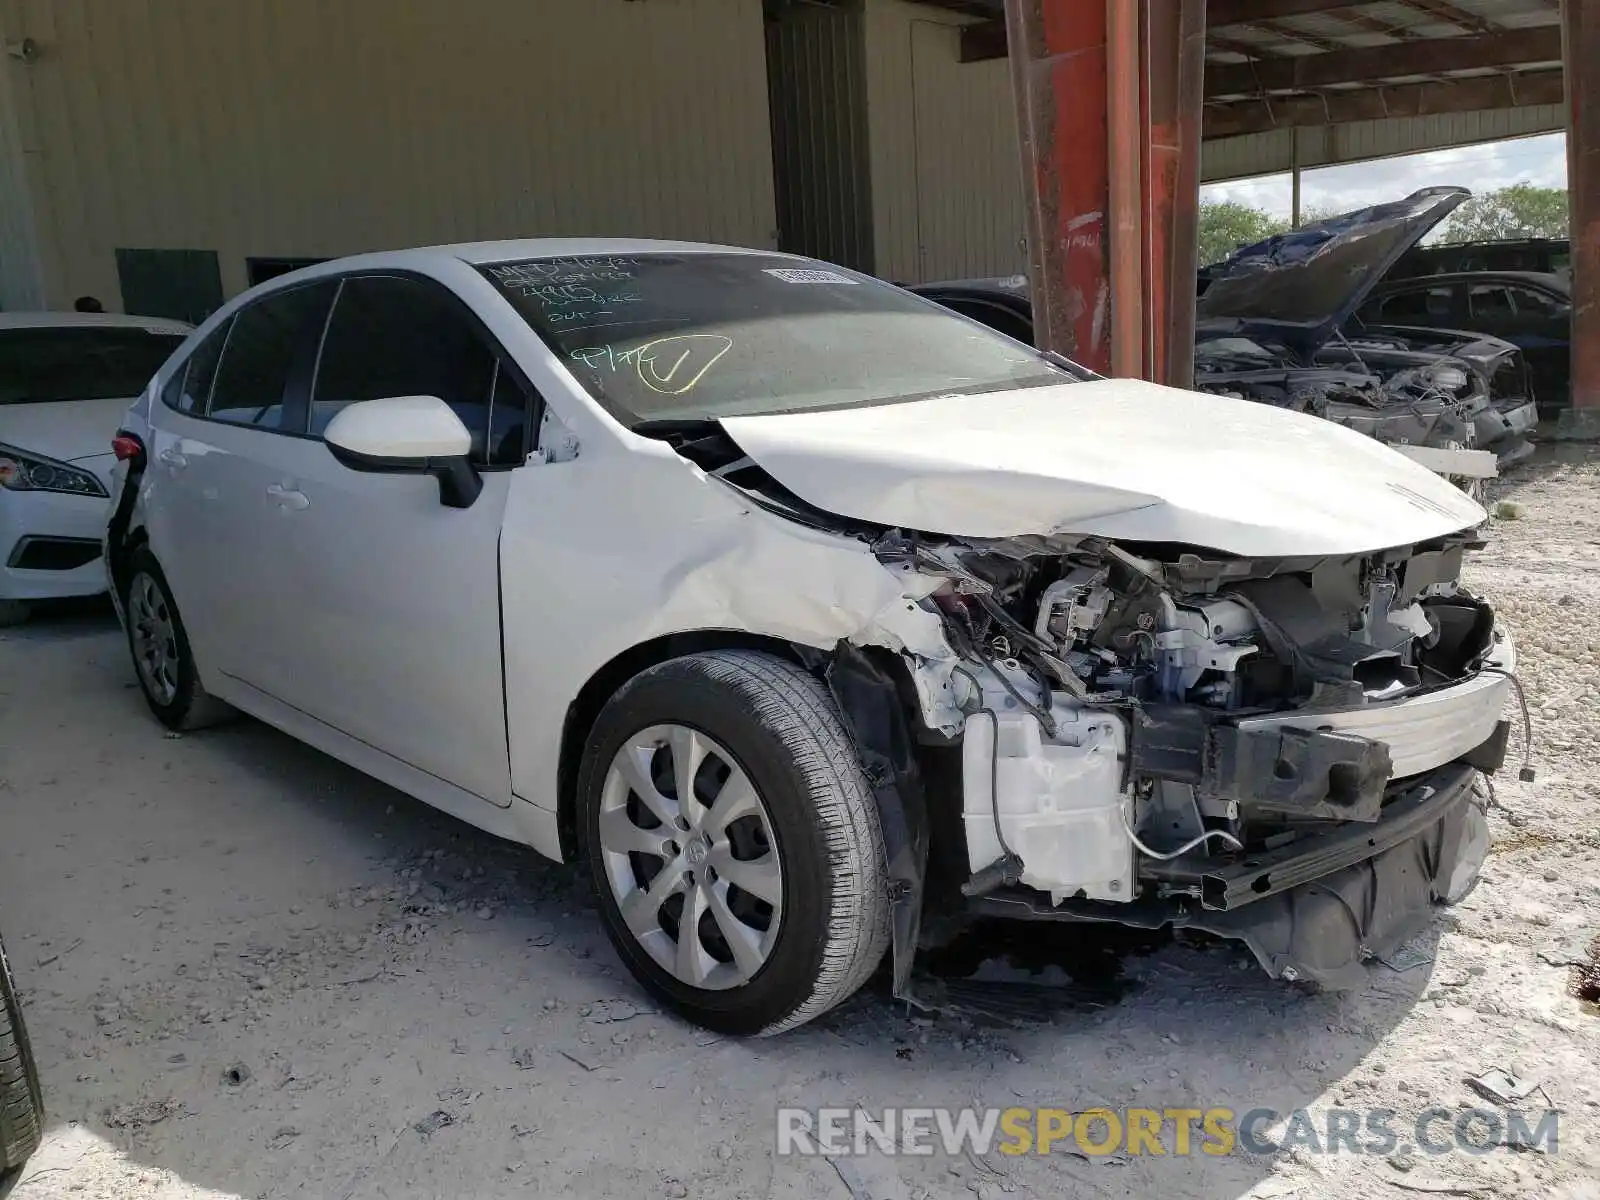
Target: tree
1225 225
1521 210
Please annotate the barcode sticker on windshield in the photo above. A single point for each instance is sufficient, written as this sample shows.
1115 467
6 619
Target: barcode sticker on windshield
793 275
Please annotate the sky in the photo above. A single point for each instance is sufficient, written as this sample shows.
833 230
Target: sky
1538 160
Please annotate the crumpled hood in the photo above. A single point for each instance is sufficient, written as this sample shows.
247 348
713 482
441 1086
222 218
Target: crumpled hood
65 431
1302 286
1116 458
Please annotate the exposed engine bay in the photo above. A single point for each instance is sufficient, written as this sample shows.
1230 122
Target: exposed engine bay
1139 721
1458 403
1275 745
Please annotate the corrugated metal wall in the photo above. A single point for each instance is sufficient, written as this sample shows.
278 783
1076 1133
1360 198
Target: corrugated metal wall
946 178
817 80
308 128
21 285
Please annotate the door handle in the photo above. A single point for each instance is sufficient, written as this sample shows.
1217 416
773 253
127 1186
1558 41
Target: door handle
172 458
287 498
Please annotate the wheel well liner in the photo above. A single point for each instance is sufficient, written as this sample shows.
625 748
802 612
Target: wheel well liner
606 682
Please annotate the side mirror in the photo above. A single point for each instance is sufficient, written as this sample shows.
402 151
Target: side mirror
407 435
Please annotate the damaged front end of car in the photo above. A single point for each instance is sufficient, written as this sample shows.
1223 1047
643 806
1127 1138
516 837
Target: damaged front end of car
1276 325
1281 750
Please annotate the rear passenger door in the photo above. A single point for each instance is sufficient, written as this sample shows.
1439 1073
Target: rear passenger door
237 406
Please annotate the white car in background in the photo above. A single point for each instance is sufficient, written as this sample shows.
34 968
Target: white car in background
65 381
798 606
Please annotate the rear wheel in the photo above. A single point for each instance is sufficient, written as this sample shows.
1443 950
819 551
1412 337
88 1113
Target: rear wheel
734 843
162 656
13 612
21 1102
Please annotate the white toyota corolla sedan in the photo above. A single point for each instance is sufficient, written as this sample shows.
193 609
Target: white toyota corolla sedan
65 381
801 608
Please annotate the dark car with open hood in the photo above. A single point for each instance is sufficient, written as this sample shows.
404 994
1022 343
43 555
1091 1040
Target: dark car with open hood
1274 324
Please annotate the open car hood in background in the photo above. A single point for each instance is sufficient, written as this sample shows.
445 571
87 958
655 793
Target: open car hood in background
1301 287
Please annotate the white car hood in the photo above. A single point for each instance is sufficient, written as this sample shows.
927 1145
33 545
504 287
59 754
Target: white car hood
1117 458
67 431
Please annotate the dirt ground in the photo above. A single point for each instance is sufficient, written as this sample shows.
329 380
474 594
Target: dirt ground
251 972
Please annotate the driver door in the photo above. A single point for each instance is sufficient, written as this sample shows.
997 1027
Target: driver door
393 597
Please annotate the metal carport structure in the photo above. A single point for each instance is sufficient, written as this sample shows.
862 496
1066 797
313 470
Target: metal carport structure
1115 99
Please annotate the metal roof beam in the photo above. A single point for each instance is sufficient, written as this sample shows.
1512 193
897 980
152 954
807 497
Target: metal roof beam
969 8
1510 48
1451 14
1372 104
1251 12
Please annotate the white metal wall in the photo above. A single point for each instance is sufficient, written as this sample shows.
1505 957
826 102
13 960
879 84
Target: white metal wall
308 128
20 283
817 73
946 177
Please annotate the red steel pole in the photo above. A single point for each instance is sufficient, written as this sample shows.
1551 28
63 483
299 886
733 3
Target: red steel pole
1581 54
1058 72
1108 96
1126 149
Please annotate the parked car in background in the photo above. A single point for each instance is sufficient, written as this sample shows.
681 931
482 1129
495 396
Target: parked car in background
65 381
1532 311
797 606
1543 256
21 1101
1274 325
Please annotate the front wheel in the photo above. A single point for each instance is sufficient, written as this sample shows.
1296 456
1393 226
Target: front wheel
734 843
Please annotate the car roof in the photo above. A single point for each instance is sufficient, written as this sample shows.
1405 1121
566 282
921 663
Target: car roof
78 320
487 253
1544 279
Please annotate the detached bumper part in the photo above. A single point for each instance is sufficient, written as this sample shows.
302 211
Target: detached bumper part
1303 923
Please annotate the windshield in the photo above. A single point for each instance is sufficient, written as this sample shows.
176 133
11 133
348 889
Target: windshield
51 364
669 337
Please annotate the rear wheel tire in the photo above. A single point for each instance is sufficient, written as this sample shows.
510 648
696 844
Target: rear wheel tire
14 612
21 1101
723 789
162 657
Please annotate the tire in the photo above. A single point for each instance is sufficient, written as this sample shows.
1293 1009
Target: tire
21 1102
170 682
811 840
13 612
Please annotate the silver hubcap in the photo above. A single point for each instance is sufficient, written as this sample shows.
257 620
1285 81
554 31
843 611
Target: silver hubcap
155 641
688 850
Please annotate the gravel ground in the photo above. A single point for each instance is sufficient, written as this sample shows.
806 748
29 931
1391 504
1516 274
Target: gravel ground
253 972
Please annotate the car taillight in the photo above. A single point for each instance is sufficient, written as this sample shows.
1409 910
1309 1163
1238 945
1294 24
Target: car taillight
128 448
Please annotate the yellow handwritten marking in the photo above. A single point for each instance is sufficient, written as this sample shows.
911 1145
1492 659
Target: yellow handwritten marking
650 356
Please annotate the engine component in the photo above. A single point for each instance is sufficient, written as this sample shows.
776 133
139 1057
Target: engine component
1062 810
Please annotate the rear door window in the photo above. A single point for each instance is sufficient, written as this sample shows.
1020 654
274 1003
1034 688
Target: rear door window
1491 301
271 342
189 389
1532 303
